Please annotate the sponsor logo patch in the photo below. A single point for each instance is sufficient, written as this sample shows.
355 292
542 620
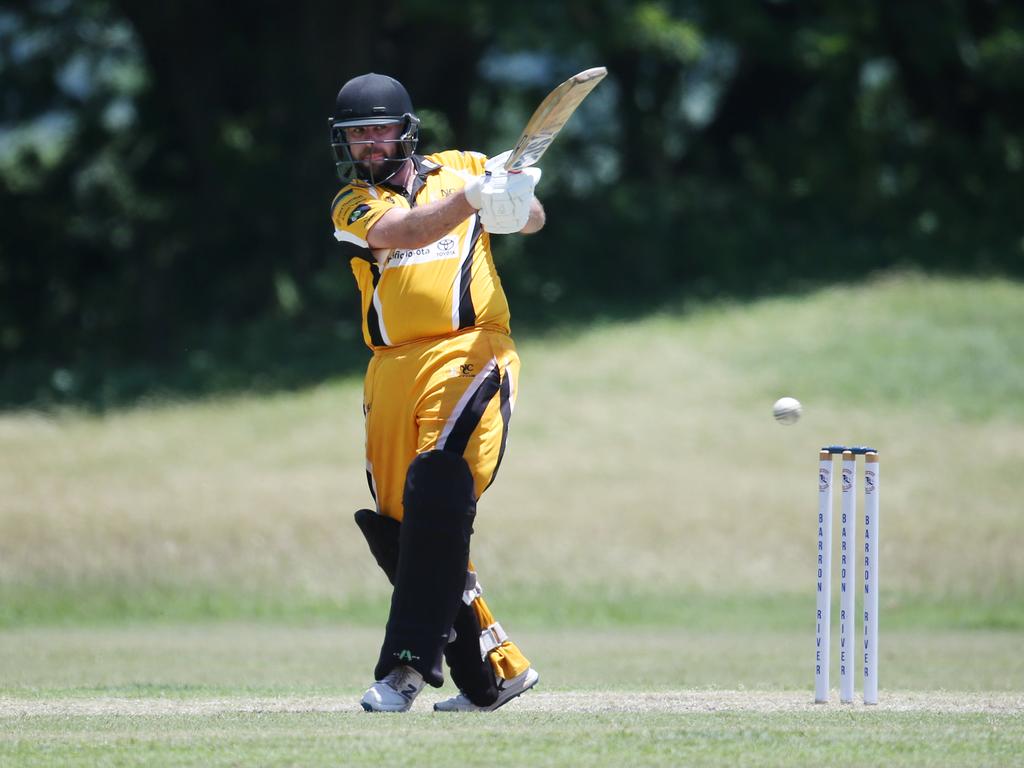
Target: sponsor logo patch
445 248
463 371
358 213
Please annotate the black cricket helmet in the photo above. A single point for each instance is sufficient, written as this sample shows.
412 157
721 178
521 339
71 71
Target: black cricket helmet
372 99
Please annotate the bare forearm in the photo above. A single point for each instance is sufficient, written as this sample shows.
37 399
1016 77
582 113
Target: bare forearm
416 227
537 218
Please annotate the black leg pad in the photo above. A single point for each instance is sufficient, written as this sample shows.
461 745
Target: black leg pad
473 676
381 534
433 555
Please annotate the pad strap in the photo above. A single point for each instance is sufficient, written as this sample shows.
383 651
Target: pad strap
473 588
490 638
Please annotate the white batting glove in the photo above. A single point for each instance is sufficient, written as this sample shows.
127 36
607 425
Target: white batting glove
503 199
497 163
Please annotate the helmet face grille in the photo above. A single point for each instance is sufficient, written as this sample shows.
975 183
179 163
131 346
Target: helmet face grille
372 99
348 169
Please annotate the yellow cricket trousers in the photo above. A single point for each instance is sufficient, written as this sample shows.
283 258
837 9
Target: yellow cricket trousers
454 393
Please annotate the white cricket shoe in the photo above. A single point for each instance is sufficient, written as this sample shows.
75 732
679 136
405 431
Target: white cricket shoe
395 693
507 690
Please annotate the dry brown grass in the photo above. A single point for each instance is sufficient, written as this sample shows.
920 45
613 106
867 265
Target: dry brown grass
643 456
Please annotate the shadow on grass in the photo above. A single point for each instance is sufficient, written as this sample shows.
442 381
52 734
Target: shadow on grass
263 358
279 355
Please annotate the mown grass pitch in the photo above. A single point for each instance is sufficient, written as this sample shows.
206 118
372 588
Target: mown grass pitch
552 736
241 694
244 694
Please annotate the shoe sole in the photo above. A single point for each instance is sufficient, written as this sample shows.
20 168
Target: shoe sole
368 708
494 708
515 695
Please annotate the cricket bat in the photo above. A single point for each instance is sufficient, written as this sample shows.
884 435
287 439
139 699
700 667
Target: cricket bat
548 119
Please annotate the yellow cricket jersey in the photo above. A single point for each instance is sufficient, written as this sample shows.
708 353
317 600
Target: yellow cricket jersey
434 291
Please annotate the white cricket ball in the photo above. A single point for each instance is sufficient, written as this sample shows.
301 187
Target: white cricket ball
787 410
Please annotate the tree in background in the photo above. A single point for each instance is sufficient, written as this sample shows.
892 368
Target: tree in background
164 175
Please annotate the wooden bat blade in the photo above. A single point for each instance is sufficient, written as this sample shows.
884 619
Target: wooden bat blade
548 119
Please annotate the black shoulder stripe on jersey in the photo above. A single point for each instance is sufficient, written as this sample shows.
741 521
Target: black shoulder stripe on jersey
467 312
372 319
423 168
470 417
506 417
417 185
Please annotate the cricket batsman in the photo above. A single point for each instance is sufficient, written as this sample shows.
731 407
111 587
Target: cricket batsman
440 388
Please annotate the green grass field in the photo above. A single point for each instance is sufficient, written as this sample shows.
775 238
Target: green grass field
182 584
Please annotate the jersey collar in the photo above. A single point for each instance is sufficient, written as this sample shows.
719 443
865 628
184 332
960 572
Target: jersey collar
423 168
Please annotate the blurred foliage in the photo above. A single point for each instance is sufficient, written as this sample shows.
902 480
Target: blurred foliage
164 172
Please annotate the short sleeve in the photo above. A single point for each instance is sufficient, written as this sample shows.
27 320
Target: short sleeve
354 211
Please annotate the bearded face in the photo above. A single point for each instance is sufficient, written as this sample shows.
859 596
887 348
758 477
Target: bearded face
374 150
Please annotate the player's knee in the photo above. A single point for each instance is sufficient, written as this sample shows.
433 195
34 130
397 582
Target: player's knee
439 486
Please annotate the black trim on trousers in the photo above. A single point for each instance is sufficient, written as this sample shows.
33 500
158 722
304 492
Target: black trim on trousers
471 415
506 417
